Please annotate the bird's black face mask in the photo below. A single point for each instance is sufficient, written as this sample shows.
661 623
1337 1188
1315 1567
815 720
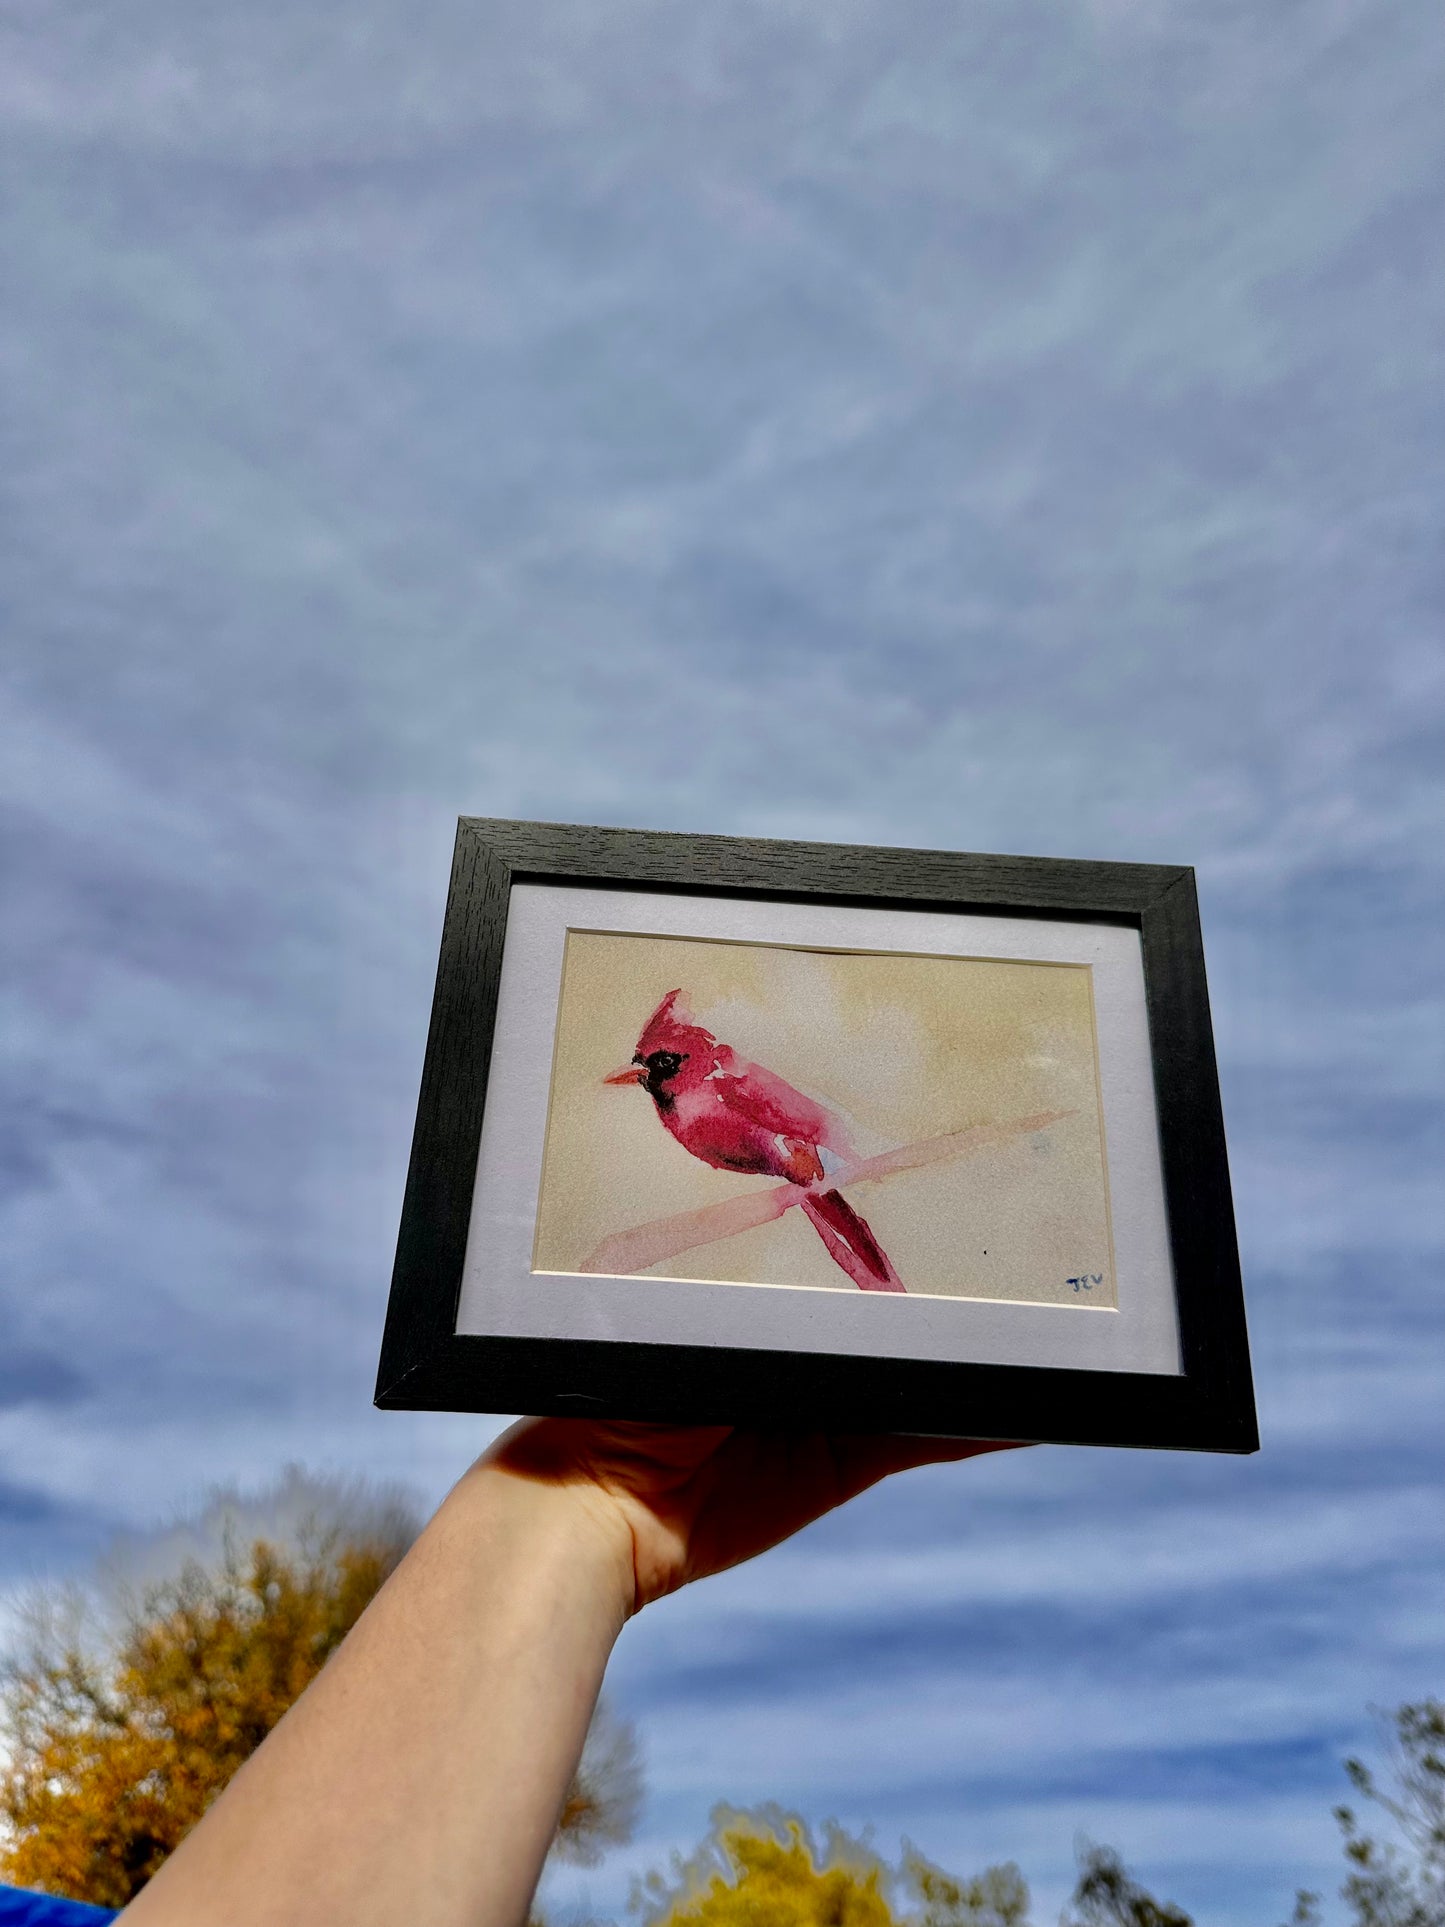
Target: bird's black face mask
661 1066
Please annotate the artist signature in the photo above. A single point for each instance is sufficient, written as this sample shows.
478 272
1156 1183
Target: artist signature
1086 1280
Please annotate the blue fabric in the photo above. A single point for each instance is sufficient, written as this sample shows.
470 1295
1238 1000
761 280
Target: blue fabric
19 1908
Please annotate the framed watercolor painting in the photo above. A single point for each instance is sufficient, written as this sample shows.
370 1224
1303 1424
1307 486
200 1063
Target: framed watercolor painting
800 1135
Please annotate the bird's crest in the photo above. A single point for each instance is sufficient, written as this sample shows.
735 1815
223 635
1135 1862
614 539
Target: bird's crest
670 1022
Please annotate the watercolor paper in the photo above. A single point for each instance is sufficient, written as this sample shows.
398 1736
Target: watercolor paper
925 1125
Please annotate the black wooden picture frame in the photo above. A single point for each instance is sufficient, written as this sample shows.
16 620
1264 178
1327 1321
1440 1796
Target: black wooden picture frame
426 1364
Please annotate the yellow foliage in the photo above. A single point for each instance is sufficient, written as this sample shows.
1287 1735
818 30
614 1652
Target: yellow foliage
113 1760
764 1870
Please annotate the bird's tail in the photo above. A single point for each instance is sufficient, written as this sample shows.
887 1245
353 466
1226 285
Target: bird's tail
850 1243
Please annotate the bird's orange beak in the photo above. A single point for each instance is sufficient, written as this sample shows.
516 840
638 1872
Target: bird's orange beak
634 1074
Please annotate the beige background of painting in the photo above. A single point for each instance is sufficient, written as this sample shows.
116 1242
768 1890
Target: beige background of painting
903 1047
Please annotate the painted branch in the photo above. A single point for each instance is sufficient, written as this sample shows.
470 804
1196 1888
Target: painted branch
628 1252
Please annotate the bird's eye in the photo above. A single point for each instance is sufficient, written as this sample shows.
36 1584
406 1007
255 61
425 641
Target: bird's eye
664 1063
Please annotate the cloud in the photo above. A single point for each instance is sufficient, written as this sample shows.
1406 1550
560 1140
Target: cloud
1166 1551
38 1378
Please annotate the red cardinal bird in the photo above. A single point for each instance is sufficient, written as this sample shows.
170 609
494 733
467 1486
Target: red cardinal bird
738 1116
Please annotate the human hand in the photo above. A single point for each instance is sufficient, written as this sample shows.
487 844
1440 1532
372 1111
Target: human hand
685 1501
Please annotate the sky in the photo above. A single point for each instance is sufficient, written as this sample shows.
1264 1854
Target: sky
1013 426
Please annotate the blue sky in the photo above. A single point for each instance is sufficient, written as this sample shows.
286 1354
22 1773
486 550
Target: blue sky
1006 427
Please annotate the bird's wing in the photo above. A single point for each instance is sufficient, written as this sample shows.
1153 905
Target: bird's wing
769 1102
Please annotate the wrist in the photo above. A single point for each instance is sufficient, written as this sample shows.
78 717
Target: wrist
561 1529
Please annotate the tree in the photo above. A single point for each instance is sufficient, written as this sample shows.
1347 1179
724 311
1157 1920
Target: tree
1400 1882
604 1801
132 1702
1107 1895
765 1868
119 1743
998 1897
1397 1882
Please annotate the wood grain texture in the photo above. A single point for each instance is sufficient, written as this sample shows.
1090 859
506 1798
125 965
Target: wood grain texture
939 879
436 1207
1205 1252
812 1391
426 1365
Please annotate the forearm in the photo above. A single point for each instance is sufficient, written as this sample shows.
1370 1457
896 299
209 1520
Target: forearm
421 1775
